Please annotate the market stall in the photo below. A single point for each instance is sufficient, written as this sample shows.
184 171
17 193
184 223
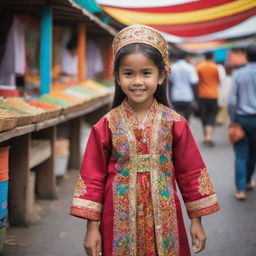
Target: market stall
47 104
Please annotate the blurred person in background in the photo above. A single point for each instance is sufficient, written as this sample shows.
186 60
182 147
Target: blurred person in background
207 93
242 110
183 79
223 91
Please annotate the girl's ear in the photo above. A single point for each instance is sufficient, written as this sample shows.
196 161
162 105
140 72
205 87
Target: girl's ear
162 77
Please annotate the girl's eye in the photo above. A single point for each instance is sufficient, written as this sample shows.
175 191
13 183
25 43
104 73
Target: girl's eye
147 73
128 73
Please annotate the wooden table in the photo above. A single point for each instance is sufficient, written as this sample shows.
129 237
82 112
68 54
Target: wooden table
23 157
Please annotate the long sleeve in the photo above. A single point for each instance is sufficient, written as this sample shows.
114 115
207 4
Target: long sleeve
89 191
191 174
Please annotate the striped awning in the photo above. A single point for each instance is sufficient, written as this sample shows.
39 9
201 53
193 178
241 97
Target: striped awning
186 20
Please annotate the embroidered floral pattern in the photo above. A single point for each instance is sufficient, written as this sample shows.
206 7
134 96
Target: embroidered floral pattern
86 208
204 211
83 203
201 203
205 185
141 34
162 188
80 189
145 219
85 213
124 242
156 155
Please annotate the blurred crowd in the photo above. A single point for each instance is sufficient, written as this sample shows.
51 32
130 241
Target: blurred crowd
219 94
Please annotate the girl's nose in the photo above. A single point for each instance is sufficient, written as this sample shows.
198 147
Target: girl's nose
138 80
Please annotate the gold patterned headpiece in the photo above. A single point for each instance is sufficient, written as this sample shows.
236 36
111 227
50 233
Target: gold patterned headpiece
142 34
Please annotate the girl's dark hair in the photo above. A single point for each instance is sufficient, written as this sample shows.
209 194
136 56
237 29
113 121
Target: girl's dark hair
152 53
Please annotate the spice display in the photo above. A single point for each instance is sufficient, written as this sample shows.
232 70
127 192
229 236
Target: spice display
21 104
51 110
64 96
54 101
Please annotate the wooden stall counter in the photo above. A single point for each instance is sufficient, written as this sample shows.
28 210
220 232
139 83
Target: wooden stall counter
32 151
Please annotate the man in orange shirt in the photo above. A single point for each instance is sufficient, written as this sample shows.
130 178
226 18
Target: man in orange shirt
207 92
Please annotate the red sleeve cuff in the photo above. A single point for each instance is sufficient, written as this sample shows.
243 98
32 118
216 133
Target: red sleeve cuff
85 214
86 209
203 206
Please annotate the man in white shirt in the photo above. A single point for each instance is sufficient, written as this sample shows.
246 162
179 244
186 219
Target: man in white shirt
183 79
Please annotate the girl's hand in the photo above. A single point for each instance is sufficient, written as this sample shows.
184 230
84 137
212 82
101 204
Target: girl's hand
197 234
92 239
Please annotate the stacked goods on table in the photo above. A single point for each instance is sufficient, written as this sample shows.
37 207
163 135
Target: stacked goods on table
100 89
63 99
50 109
14 111
18 103
74 103
4 169
88 89
75 96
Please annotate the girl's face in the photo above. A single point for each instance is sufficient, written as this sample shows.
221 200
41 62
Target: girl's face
139 77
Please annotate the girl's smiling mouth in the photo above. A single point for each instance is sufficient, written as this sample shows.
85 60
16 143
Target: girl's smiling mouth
137 91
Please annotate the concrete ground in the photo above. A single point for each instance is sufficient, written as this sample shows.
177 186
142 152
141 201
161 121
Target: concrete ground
231 232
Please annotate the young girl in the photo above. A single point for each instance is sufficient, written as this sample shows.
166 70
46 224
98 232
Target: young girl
134 157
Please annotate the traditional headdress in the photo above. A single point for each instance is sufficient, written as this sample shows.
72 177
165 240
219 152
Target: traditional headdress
142 34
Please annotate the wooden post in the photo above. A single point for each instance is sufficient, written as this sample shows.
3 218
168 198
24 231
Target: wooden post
81 52
45 173
46 50
19 179
75 138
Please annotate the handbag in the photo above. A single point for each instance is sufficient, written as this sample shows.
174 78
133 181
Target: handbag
235 133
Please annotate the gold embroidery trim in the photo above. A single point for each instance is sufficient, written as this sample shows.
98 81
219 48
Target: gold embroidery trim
175 116
154 180
203 212
84 203
81 188
138 33
205 184
85 214
201 203
132 182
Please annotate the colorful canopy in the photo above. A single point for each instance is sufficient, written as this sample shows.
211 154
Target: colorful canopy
186 20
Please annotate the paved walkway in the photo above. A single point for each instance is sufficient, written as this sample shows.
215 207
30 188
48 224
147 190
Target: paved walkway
231 232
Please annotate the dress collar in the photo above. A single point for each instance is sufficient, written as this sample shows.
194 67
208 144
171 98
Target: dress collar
131 115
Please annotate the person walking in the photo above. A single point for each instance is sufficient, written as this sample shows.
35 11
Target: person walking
183 80
242 110
207 96
127 183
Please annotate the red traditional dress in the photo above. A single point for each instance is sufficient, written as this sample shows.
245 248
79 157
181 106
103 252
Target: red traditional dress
128 182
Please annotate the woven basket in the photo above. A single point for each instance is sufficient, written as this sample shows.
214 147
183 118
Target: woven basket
25 120
51 110
72 109
54 113
37 114
38 117
8 123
